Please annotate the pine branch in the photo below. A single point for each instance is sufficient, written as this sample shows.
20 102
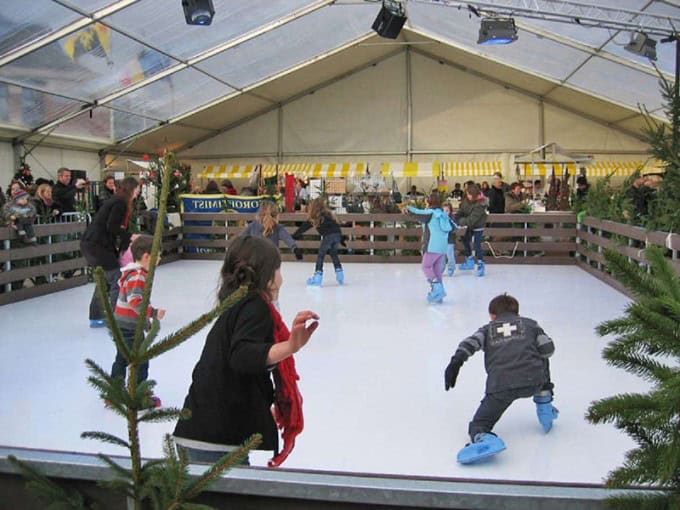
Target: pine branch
105 438
52 493
111 322
119 470
619 408
639 502
629 274
226 462
161 415
182 334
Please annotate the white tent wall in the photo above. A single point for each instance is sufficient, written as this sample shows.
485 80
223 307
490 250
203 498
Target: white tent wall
365 112
456 111
583 135
45 161
256 136
454 115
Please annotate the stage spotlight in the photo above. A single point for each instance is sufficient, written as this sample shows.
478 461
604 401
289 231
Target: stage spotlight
643 45
198 12
391 18
497 31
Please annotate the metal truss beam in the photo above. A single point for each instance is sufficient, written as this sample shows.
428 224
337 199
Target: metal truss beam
568 11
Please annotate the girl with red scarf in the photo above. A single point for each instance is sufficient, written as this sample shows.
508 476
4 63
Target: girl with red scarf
105 239
232 395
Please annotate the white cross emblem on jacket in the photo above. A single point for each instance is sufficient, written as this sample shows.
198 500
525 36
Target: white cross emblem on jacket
507 329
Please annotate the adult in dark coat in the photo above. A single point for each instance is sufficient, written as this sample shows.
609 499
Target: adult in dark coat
231 393
497 195
105 239
64 191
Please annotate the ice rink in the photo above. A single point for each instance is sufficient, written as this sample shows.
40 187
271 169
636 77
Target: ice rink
371 376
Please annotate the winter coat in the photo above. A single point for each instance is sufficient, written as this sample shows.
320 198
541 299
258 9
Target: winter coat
65 197
497 200
279 234
21 212
472 214
515 352
513 203
327 226
231 392
438 226
105 238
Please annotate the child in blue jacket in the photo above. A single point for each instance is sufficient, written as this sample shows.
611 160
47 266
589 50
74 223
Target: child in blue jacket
435 243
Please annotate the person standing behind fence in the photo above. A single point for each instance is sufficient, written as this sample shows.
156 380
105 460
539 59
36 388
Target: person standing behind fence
267 225
105 239
323 220
64 192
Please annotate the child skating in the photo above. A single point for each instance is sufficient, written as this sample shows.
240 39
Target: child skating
516 352
472 214
435 241
321 218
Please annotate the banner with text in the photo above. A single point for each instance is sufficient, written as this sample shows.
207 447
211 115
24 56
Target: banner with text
215 204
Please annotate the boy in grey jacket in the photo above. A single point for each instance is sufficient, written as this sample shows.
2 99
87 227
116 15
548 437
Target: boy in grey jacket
516 352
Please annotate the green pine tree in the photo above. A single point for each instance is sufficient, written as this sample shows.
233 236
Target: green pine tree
157 484
647 344
664 141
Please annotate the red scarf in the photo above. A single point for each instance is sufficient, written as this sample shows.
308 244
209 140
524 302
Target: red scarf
287 409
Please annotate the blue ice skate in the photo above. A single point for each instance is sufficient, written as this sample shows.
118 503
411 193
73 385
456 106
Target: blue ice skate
452 268
315 280
437 293
468 264
340 276
480 268
97 323
545 411
484 445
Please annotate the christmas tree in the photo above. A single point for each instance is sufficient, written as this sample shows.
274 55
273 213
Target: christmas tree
647 344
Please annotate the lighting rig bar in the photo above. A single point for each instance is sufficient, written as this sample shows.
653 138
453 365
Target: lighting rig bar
571 12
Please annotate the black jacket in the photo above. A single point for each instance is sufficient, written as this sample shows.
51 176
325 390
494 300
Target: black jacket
231 392
497 200
327 226
105 238
65 197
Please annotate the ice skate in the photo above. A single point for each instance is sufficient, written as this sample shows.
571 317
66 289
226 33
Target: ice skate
468 264
451 270
97 323
480 268
437 293
545 411
340 276
484 445
315 279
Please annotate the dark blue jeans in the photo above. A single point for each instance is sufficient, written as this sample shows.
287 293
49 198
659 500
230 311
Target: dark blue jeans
329 244
120 364
477 236
111 276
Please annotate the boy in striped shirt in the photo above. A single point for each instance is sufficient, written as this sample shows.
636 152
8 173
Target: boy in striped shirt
132 284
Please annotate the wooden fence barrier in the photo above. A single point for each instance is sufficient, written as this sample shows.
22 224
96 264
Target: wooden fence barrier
595 235
55 263
548 238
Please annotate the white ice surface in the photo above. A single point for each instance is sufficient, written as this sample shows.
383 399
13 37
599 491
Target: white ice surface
371 377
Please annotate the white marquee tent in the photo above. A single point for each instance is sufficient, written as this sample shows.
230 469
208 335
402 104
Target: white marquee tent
309 81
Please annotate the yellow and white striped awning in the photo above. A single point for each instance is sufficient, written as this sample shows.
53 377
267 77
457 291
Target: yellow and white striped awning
546 169
314 170
470 168
409 169
226 172
618 168
594 169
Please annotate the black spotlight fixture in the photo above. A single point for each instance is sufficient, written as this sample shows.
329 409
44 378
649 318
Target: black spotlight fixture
497 31
198 12
641 44
391 18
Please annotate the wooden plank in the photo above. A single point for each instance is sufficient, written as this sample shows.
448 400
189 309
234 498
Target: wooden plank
24 273
41 290
202 256
207 229
206 243
604 277
40 250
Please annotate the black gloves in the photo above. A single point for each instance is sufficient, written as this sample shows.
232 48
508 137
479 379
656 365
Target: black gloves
451 372
298 253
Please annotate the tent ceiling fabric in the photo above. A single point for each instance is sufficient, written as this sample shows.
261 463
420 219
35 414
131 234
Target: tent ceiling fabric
61 60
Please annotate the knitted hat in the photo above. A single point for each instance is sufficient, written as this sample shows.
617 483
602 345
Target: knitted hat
19 194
